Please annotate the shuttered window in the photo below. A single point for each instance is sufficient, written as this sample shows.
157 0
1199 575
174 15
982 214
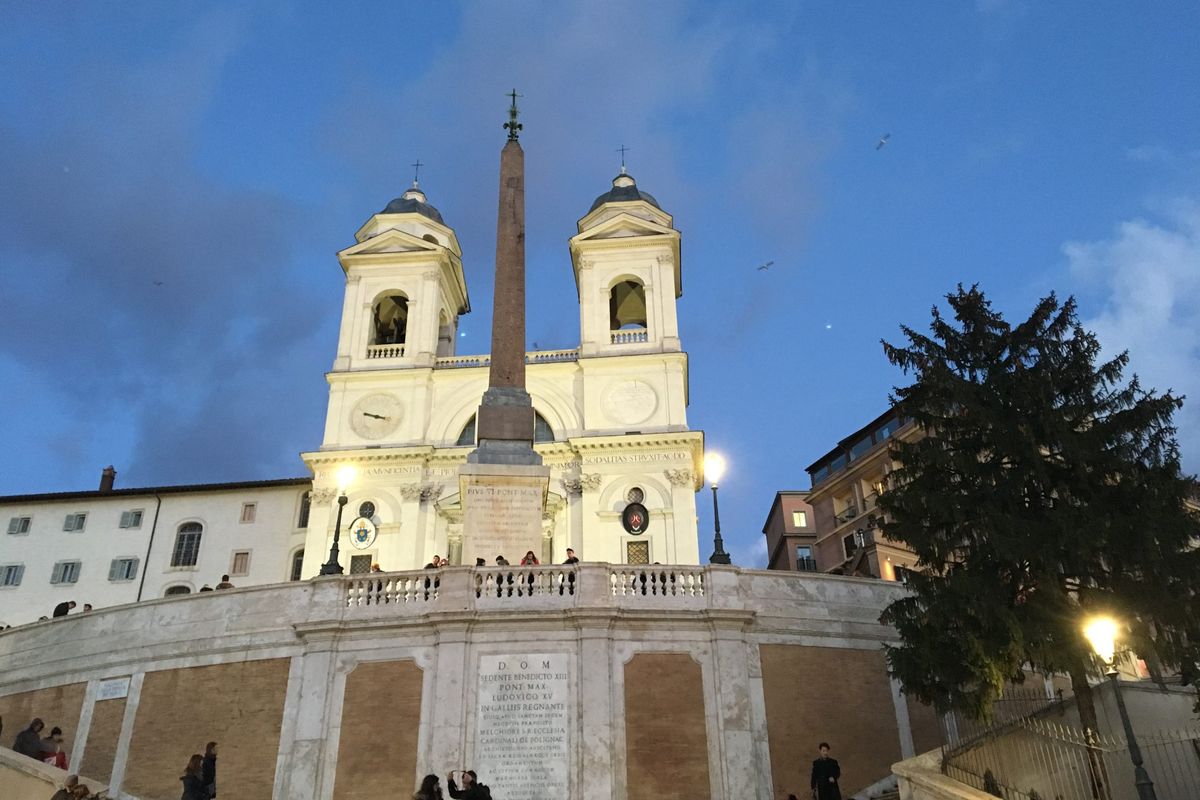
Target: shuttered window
66 572
123 569
131 519
74 522
11 574
19 525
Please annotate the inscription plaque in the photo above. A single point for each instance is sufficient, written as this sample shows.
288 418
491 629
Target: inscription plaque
523 726
502 511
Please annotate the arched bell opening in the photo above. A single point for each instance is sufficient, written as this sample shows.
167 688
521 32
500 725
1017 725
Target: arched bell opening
391 320
446 330
627 305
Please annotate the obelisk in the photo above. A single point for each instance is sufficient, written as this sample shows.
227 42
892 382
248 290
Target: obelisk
503 484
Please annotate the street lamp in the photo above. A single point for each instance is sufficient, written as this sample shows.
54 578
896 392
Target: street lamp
1101 633
345 475
714 468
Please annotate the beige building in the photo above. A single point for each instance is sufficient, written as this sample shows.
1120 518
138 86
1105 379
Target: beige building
791 532
846 484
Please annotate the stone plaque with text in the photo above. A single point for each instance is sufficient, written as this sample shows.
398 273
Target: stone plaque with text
523 726
502 511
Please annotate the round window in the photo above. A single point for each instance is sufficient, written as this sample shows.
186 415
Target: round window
635 495
367 509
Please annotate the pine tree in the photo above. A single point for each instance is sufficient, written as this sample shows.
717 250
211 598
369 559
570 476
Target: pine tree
1045 489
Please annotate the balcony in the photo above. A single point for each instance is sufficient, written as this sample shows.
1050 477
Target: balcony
632 336
845 515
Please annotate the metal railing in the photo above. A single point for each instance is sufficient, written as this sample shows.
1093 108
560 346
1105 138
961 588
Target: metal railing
1026 752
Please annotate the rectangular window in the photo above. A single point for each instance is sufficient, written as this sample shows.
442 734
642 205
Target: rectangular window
248 511
902 574
66 572
804 559
11 574
360 565
19 525
637 552
800 519
305 507
131 519
241 563
123 569
74 522
187 549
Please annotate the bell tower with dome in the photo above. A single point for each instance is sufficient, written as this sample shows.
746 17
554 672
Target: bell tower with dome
626 262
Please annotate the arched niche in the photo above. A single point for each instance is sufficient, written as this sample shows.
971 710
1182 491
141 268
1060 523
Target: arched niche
390 319
627 304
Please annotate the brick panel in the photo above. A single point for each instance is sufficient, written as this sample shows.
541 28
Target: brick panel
57 706
386 693
926 726
841 696
666 739
102 739
239 705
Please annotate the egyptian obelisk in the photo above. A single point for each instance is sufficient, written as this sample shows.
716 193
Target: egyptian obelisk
503 484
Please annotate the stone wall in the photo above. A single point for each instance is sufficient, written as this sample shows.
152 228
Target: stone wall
699 681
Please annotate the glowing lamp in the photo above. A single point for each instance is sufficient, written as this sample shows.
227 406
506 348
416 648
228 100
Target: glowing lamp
1101 633
714 467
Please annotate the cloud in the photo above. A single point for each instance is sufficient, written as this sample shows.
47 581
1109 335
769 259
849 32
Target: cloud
1148 274
132 278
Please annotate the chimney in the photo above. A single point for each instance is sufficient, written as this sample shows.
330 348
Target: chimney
107 478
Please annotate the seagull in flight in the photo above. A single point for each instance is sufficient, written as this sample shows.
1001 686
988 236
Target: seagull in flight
882 141
765 267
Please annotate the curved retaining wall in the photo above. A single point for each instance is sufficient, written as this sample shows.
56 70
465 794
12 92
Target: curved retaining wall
654 682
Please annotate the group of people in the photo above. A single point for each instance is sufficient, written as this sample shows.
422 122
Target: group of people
66 607
530 559
472 789
200 776
72 789
49 749
224 584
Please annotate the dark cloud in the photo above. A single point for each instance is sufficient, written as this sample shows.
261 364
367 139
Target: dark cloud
147 292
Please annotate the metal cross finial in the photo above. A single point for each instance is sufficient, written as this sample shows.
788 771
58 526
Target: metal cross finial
622 150
512 125
416 170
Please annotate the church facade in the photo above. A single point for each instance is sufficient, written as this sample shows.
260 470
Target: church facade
611 426
611 414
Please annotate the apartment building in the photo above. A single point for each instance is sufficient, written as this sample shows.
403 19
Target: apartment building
791 532
846 484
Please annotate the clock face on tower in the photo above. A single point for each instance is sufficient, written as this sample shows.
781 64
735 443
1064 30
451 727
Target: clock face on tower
376 415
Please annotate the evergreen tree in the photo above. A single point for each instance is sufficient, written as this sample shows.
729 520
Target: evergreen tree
1045 489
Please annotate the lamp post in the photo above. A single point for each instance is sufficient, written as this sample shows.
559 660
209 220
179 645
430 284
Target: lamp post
332 567
714 468
1101 633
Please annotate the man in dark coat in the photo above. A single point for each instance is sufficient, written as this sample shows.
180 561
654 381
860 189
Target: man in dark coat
63 608
29 741
472 789
825 775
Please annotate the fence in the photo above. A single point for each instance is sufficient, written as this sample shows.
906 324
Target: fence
1025 754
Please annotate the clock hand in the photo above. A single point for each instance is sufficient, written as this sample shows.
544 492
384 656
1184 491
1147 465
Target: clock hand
374 416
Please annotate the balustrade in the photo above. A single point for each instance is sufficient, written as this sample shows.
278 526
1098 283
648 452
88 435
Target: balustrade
532 357
385 351
630 336
383 588
506 582
662 582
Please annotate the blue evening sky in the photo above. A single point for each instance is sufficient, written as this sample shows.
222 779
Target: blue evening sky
175 179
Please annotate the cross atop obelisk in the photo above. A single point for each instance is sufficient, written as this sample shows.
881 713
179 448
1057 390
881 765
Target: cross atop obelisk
505 420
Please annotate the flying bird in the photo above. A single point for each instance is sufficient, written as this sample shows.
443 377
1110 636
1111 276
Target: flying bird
158 283
766 266
882 141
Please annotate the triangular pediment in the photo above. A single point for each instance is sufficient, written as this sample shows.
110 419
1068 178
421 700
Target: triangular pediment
390 241
623 226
